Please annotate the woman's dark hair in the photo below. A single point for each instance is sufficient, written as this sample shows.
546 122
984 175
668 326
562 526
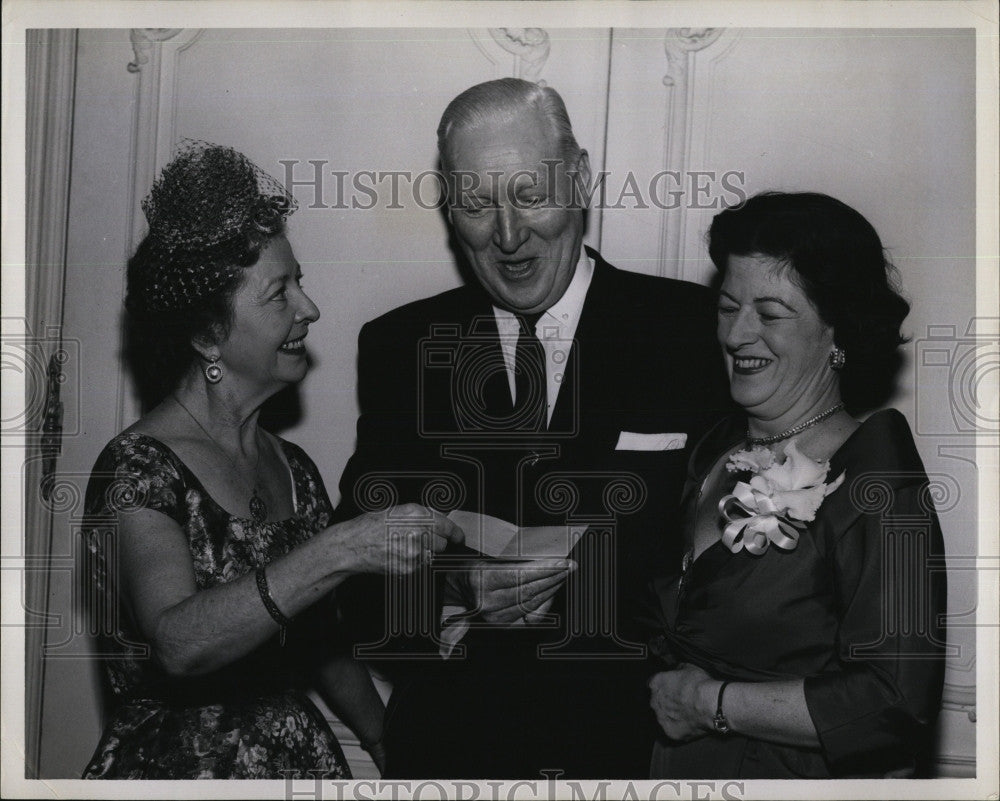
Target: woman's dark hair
211 214
837 258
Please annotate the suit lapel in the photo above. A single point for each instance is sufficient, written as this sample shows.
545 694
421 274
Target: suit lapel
586 369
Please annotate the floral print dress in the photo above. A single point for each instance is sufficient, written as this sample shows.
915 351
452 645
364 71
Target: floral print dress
248 720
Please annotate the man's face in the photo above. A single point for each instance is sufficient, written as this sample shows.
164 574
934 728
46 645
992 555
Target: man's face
514 210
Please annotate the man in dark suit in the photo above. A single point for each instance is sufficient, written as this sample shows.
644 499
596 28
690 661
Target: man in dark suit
555 390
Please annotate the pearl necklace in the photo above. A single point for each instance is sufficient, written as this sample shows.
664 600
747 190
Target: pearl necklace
791 432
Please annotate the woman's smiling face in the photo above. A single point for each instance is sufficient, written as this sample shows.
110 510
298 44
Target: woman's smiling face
777 347
264 350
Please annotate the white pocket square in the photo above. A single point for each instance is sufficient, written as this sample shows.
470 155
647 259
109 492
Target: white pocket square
630 441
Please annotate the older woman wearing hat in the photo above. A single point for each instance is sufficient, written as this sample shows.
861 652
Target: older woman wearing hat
214 557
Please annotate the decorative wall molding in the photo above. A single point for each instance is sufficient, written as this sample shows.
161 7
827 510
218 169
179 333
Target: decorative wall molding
954 766
52 77
960 698
681 46
529 46
517 52
152 137
154 111
51 82
955 752
143 40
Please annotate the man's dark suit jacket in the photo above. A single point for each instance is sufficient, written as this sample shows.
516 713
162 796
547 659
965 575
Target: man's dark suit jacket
435 408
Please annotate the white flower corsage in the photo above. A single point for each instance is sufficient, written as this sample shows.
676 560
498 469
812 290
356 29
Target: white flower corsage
777 503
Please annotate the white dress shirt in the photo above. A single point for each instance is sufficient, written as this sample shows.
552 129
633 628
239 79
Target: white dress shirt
555 329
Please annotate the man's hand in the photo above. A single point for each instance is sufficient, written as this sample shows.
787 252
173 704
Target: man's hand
502 592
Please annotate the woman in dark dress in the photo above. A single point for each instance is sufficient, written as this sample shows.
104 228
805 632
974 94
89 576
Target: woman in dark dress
214 558
804 631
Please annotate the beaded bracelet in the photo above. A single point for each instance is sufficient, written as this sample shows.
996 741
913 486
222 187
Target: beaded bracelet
270 605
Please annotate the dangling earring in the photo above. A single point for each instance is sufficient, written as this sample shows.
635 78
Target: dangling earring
838 358
213 372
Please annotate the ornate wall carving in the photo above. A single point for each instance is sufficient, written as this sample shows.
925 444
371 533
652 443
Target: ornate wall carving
679 43
681 46
515 52
143 41
156 51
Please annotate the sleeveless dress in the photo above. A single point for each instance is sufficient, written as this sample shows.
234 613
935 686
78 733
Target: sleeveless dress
248 720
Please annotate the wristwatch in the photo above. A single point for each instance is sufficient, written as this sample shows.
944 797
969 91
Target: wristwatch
719 721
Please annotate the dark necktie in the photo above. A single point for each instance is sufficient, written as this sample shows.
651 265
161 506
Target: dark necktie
530 403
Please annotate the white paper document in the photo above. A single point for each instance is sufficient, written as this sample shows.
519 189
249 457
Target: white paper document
500 538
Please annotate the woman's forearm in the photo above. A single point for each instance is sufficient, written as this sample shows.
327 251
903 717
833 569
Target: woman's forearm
195 631
685 701
211 628
775 711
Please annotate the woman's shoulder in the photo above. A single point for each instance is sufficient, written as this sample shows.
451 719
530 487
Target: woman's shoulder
882 471
883 443
158 438
134 448
135 469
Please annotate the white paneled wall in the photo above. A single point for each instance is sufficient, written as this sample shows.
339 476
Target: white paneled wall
788 109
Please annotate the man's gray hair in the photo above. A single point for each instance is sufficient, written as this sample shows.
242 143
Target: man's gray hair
505 99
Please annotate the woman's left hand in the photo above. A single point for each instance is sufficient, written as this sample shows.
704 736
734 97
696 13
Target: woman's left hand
684 701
